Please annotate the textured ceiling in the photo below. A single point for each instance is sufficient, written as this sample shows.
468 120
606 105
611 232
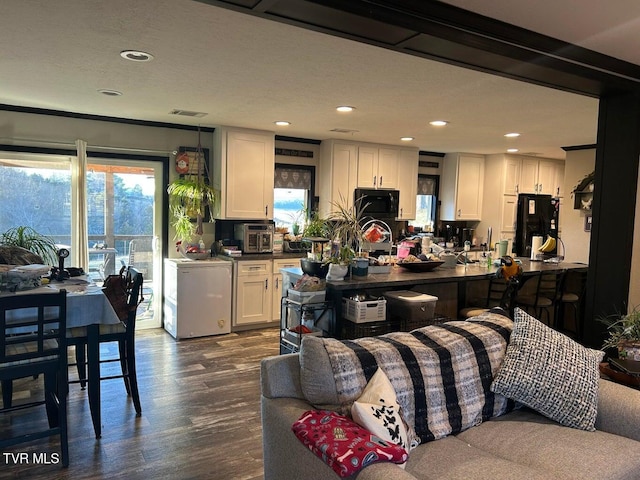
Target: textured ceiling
246 71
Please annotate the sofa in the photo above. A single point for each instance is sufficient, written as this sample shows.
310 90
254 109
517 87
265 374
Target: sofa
530 403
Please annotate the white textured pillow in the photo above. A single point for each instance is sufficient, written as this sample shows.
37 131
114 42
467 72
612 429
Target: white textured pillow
378 411
550 373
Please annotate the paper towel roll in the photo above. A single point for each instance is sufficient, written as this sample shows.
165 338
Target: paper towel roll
536 243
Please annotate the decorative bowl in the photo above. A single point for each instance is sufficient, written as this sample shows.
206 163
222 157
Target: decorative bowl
314 268
197 255
420 266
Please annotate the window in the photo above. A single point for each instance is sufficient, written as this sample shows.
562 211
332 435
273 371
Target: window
36 193
292 196
426 203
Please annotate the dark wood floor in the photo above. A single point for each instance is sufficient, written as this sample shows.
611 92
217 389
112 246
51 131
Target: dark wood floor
200 415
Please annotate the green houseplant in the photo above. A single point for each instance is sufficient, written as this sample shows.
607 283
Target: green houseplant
188 198
624 334
30 239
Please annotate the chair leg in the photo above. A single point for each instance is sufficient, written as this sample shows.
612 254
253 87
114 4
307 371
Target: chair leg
51 399
63 389
7 393
124 365
133 379
81 364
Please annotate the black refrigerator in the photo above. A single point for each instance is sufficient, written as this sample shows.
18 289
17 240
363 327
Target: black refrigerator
536 215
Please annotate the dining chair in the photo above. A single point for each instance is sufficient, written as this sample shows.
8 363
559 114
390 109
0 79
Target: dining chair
42 351
123 333
541 301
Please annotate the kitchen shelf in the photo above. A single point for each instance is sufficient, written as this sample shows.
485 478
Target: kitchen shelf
292 315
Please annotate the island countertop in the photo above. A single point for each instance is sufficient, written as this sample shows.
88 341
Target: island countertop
399 277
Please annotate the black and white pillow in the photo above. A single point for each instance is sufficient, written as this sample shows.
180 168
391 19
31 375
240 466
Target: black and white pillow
550 373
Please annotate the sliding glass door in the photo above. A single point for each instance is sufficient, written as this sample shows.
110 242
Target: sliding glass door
124 203
124 219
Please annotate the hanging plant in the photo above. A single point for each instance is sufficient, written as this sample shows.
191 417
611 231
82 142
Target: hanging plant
189 198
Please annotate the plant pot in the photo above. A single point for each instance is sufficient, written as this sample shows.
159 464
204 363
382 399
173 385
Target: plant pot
337 271
360 267
313 268
629 350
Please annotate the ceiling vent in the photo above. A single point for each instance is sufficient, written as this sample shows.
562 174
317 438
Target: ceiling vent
343 130
187 113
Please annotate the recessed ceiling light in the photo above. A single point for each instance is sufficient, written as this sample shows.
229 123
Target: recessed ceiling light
438 123
406 139
110 93
345 108
512 150
512 135
282 123
136 55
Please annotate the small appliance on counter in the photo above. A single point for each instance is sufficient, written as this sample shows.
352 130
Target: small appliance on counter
254 237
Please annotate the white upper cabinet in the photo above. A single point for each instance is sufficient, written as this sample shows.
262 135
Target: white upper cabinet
512 167
408 183
461 187
541 176
244 173
377 167
337 174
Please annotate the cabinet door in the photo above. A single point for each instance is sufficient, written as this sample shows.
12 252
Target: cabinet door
250 167
559 181
253 299
277 283
367 167
253 292
529 176
546 178
338 170
469 187
509 210
388 167
407 184
511 176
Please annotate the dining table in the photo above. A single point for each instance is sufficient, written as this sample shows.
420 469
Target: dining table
87 306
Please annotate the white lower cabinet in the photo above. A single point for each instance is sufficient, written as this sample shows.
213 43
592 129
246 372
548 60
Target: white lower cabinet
277 282
253 292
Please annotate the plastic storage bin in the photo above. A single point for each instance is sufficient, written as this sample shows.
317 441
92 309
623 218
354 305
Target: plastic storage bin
412 309
364 311
306 297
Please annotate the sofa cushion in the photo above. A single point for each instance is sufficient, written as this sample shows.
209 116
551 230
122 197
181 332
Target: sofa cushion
538 443
378 411
342 444
441 373
550 373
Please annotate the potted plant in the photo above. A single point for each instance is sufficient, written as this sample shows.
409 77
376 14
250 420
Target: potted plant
29 239
346 230
624 334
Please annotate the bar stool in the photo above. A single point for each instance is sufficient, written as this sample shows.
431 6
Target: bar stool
544 299
572 294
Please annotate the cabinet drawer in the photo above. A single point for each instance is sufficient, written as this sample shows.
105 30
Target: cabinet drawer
291 263
251 268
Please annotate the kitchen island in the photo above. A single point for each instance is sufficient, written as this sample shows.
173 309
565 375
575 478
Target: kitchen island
452 285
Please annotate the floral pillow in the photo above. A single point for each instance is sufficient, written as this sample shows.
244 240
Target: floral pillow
342 444
378 411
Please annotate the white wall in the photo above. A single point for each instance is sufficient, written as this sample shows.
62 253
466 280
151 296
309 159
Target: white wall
578 164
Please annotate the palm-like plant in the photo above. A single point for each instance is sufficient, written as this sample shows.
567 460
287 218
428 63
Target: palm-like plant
30 239
625 328
345 224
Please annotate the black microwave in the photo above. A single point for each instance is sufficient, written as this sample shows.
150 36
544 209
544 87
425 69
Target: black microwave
376 203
